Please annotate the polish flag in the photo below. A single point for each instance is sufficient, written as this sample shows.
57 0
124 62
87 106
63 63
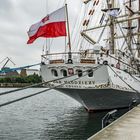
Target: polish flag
51 26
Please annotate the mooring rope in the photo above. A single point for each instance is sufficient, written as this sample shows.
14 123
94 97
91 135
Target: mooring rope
39 84
37 93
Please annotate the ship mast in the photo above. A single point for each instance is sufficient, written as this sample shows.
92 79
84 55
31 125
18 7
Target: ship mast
129 28
112 41
138 41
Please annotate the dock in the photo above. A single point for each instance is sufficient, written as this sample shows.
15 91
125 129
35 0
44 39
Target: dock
127 127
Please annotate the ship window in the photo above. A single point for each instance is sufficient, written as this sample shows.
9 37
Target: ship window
54 72
70 71
80 73
90 73
64 73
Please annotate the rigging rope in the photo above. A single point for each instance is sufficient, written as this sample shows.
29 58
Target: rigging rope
124 63
123 80
51 40
135 42
126 39
80 41
101 34
84 28
76 22
124 36
78 30
131 76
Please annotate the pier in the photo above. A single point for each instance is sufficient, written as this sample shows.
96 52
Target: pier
126 127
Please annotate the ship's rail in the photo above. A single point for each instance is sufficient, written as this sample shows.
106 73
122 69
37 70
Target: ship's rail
77 57
90 57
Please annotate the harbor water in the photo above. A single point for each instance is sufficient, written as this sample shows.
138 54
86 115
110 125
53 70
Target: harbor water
48 116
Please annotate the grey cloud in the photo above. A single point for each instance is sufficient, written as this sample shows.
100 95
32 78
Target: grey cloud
5 5
16 17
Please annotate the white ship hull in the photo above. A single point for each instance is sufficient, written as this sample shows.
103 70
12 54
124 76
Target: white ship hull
105 90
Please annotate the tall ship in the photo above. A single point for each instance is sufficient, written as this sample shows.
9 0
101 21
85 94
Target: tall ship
101 70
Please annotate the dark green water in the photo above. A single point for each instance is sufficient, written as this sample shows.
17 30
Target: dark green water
48 116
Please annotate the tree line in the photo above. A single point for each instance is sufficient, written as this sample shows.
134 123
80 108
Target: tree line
18 79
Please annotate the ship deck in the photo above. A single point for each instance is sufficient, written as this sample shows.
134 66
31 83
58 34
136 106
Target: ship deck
126 127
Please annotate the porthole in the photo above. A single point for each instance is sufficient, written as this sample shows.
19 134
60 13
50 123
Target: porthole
64 73
90 73
54 73
79 73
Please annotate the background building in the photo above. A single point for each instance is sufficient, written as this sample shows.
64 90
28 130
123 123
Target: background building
27 72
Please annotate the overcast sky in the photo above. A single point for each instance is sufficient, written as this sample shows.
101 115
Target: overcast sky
16 16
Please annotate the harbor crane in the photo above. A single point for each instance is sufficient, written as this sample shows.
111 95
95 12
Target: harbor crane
7 59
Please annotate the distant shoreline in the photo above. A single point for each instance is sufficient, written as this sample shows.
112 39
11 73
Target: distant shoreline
16 85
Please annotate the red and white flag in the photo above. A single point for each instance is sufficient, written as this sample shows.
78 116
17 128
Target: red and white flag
53 25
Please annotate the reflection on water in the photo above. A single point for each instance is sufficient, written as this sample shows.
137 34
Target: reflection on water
76 125
49 116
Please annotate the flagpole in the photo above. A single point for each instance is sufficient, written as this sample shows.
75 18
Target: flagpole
69 39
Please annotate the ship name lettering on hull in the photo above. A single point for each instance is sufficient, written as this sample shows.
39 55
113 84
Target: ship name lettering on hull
75 82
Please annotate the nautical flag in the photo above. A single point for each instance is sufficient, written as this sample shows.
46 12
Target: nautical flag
114 12
51 26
